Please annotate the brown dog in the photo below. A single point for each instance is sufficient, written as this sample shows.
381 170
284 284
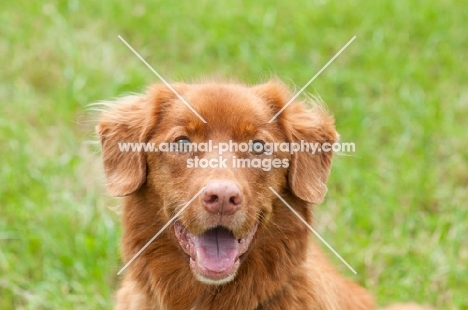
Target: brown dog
236 245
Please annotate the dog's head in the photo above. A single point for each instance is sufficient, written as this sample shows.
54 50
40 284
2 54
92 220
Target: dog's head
224 167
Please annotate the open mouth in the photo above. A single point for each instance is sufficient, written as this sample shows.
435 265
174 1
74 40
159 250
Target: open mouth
214 255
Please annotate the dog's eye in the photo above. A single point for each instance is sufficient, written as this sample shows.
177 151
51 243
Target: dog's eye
182 144
258 147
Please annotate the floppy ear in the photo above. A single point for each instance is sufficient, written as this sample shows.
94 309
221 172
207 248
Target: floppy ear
130 120
308 173
123 123
275 93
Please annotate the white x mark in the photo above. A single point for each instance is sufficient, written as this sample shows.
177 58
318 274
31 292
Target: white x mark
313 230
163 80
160 231
312 79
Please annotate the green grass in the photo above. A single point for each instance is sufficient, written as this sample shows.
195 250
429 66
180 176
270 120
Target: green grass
395 210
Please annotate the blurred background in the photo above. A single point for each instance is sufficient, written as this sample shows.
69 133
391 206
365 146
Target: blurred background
396 209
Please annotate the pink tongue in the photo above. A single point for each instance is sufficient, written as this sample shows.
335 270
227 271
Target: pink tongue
216 249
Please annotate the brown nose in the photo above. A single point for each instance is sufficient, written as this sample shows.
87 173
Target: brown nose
222 197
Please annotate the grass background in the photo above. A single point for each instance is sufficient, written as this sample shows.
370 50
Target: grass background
396 210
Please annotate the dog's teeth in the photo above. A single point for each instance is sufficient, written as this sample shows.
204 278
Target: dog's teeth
198 254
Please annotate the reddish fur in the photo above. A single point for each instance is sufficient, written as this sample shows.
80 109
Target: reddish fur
284 268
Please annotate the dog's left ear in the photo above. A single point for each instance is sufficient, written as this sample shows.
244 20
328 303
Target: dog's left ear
308 171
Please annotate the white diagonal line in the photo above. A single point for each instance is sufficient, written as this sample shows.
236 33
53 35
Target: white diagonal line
313 230
163 80
159 232
311 80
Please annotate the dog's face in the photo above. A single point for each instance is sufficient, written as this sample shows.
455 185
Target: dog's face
231 188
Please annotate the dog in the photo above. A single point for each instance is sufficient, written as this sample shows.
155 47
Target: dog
233 243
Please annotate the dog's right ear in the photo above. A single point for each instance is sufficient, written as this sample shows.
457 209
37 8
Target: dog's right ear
131 120
123 122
